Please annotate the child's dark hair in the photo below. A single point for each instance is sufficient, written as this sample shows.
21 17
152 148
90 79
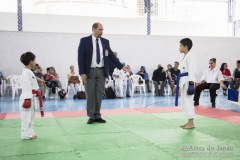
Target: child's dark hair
213 59
238 61
187 42
27 57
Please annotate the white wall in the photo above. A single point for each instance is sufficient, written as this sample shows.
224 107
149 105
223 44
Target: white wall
60 50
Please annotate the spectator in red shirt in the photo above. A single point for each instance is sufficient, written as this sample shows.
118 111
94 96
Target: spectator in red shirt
226 75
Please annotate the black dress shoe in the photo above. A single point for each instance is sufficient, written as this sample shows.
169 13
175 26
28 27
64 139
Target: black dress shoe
100 120
90 121
196 103
213 105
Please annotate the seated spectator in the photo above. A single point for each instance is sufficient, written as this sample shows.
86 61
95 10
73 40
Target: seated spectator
234 84
143 73
226 75
73 81
159 78
169 66
1 78
173 74
128 81
210 80
118 76
41 83
52 81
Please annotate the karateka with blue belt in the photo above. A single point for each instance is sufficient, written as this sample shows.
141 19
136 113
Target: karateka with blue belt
186 82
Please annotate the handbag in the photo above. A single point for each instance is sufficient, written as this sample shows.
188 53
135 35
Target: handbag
233 95
81 95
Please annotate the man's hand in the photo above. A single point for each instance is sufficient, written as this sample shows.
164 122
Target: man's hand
224 87
126 68
84 78
160 82
197 84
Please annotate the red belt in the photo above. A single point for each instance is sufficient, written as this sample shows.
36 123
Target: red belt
38 94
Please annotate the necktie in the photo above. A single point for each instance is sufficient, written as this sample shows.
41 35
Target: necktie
98 51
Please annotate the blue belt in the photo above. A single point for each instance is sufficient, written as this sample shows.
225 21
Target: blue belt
177 88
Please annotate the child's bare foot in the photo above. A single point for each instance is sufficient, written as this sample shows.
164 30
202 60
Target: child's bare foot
189 126
184 125
34 137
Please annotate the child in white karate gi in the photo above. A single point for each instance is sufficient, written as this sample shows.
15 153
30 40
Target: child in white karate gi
28 102
125 82
187 65
118 76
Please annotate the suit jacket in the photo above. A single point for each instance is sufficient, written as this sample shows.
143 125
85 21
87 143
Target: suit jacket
85 53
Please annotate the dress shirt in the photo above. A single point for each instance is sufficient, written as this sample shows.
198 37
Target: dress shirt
212 76
94 57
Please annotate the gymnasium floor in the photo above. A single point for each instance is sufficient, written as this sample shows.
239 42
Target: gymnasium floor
142 128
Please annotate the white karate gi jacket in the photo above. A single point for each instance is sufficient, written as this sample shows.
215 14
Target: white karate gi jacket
187 65
28 83
120 73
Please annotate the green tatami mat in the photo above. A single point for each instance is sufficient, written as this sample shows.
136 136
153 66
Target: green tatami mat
149 136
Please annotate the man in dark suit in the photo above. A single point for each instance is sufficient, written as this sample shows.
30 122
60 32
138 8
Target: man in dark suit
94 54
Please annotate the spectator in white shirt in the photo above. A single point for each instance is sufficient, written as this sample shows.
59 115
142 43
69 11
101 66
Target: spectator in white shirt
211 79
73 81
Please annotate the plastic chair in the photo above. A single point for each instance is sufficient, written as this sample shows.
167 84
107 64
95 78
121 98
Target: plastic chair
168 90
135 83
1 87
16 85
152 85
208 94
7 83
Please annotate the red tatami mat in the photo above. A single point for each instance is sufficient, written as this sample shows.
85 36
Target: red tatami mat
15 115
2 115
233 117
69 113
225 115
